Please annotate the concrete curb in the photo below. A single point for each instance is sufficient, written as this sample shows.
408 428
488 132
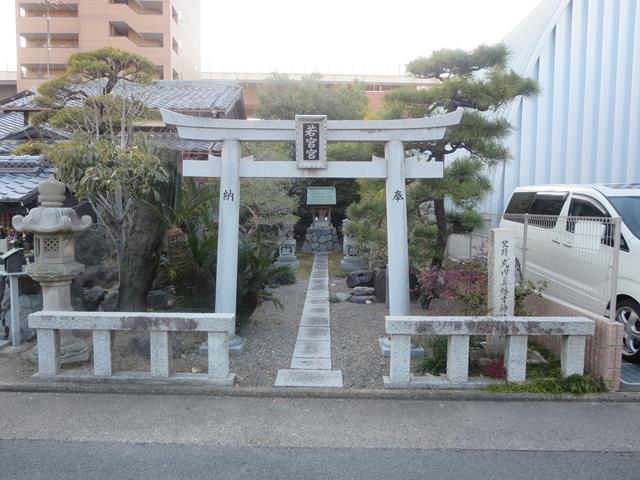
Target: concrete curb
349 394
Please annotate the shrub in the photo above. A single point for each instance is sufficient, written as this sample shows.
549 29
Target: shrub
286 277
437 363
495 368
575 384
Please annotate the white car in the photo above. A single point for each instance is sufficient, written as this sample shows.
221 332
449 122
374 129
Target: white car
573 257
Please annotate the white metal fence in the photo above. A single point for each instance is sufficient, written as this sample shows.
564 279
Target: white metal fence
576 257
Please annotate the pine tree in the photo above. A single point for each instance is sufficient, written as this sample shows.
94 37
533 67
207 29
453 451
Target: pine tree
480 82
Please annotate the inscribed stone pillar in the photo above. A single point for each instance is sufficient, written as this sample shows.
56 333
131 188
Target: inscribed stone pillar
501 280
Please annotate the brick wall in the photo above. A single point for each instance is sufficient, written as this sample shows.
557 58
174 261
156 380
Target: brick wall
603 356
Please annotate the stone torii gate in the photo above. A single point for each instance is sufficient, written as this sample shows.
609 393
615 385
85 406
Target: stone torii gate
311 133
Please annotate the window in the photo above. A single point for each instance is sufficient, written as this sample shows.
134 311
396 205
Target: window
583 207
519 205
548 204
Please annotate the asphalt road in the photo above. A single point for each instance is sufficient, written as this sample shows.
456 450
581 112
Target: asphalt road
69 436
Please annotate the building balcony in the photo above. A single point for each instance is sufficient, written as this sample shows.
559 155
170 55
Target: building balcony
41 72
145 40
53 40
141 7
60 8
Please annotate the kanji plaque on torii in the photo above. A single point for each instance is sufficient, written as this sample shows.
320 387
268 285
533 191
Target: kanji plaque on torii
311 141
311 163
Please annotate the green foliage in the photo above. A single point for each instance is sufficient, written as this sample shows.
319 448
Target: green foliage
436 364
574 385
333 298
255 272
266 208
479 136
96 170
283 98
109 64
368 222
286 277
30 148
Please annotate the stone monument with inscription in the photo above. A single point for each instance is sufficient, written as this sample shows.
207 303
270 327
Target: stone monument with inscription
351 260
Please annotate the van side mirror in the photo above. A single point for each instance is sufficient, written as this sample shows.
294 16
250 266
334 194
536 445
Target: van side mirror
588 235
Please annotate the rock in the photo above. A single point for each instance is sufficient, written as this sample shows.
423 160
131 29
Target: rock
92 297
105 276
28 304
110 302
141 345
91 246
359 278
27 286
160 298
428 211
363 300
380 283
343 296
534 357
364 291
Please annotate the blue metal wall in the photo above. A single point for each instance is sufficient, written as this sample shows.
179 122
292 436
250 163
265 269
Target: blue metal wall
585 125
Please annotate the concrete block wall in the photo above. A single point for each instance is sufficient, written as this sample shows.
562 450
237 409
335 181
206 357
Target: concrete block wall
603 351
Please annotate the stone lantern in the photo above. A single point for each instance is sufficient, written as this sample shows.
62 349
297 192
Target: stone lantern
54 267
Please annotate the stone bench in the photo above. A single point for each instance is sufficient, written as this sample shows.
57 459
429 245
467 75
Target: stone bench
573 330
103 326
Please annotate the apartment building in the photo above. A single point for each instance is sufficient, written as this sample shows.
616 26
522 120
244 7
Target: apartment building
48 32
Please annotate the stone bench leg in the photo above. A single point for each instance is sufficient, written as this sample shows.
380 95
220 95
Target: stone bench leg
572 355
102 356
458 358
218 351
400 359
48 352
160 353
515 358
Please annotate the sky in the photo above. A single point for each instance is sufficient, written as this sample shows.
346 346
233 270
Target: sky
330 36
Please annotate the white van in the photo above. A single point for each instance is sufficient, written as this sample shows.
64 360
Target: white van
571 259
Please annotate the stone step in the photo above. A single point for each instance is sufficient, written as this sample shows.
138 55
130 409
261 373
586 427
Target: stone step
309 378
311 363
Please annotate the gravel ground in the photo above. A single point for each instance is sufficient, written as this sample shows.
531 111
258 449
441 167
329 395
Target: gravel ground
355 330
270 338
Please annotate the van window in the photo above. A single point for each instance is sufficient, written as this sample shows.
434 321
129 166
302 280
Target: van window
549 204
520 202
583 207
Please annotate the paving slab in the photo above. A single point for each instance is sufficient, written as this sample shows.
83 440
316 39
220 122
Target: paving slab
312 349
315 321
314 333
309 378
311 363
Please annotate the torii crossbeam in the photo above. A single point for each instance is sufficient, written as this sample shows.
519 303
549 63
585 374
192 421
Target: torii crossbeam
231 167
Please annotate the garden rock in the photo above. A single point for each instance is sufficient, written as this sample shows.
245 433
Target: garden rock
110 302
105 276
361 278
91 247
534 357
364 291
363 299
28 305
160 298
380 283
92 297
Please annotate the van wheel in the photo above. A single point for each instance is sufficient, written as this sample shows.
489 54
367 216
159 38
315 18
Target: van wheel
628 313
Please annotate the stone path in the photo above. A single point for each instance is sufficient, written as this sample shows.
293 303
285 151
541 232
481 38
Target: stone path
311 362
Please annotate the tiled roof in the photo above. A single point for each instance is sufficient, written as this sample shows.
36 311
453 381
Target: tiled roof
10 122
20 177
207 95
172 140
43 131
